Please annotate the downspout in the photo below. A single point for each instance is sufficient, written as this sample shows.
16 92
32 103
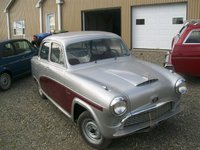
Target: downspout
6 10
59 4
41 19
39 5
8 23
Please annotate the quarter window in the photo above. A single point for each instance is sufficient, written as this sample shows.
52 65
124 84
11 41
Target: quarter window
57 54
7 51
19 27
194 37
44 52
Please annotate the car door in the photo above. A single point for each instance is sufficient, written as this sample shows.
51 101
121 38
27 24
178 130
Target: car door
9 60
24 53
55 83
187 59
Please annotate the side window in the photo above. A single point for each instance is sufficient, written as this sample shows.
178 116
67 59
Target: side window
194 37
7 51
57 54
44 51
22 47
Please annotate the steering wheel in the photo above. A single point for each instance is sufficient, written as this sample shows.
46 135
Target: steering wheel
110 53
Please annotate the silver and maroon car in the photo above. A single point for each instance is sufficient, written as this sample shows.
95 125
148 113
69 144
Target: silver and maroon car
93 78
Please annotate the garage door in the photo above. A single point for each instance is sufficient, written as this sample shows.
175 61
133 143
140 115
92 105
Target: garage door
102 20
154 26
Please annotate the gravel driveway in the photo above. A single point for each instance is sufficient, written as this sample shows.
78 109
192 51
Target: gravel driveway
28 122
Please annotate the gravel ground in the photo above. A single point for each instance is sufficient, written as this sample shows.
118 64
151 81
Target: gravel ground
28 122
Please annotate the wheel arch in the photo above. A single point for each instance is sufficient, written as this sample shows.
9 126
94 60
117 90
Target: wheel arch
7 71
79 106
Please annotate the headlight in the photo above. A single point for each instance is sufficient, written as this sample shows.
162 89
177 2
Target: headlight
180 86
118 106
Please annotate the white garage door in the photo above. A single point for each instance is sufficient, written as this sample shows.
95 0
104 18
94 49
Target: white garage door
154 26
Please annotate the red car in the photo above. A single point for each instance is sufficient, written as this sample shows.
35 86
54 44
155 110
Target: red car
185 54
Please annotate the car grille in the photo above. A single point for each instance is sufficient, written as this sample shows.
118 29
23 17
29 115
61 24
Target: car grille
148 115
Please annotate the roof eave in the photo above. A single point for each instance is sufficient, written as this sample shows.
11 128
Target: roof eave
8 6
39 3
59 1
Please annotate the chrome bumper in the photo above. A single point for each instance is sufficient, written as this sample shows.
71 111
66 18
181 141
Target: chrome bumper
147 118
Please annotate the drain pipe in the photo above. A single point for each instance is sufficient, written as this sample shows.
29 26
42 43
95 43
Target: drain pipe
6 10
59 4
41 19
8 23
39 5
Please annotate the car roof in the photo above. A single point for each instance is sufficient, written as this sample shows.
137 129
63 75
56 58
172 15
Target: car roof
12 40
71 37
192 23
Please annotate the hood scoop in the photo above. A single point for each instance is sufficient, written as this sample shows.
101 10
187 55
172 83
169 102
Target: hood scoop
147 82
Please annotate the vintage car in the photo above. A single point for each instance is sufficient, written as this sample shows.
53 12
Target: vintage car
184 57
15 60
93 79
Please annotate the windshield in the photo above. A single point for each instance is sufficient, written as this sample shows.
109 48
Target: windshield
93 50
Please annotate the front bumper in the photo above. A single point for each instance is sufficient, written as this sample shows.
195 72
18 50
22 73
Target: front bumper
166 63
148 117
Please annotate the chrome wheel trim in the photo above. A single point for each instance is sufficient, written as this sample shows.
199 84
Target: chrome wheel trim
91 131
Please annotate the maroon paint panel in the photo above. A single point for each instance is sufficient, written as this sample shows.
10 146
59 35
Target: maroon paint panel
62 95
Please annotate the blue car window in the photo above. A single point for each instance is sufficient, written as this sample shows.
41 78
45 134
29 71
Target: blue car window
7 51
22 47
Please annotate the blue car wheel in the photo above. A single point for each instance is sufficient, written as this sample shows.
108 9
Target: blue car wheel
5 81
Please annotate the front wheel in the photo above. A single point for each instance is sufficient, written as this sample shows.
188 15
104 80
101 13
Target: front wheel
5 81
90 131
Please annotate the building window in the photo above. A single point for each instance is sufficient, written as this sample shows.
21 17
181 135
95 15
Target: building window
51 23
177 20
140 21
19 27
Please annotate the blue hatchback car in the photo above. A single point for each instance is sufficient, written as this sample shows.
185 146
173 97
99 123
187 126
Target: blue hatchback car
15 56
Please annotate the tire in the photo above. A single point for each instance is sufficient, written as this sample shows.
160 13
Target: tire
5 81
41 92
90 132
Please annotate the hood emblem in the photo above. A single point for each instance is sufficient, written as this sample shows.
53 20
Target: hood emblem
155 99
106 88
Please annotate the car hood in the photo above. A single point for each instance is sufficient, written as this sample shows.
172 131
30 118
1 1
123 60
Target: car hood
123 75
